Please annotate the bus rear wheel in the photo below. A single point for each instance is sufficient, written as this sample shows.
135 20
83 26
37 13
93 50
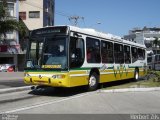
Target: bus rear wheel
93 82
136 75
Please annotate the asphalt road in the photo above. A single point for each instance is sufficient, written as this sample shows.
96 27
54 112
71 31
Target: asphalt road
11 80
49 101
77 103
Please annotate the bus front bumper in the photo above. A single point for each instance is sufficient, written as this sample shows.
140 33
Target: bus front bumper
53 79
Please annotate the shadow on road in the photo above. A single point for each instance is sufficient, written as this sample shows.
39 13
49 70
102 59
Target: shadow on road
10 83
64 92
58 92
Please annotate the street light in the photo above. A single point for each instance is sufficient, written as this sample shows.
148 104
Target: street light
97 23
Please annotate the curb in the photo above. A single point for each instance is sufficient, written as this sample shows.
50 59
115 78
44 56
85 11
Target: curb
131 90
17 89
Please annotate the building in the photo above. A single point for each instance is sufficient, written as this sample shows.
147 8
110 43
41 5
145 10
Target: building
145 36
10 48
37 13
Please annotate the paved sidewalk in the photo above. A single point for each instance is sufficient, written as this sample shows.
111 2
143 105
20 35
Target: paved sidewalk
131 90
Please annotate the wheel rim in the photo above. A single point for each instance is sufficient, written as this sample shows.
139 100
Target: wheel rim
92 81
136 76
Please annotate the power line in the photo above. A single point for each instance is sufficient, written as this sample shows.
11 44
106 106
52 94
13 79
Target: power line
75 19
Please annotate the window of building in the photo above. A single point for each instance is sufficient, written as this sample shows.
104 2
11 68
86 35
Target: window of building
93 50
34 14
127 54
22 15
107 52
10 9
134 54
118 53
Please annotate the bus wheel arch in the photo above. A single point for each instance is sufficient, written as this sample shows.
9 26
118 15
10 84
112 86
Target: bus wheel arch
136 74
93 80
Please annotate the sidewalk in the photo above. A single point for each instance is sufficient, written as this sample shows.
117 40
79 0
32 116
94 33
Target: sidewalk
131 90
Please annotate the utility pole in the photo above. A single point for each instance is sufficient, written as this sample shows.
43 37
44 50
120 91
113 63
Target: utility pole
75 19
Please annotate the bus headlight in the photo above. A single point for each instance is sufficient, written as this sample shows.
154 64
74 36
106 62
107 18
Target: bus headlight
58 76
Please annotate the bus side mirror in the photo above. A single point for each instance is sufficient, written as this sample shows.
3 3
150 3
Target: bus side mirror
29 64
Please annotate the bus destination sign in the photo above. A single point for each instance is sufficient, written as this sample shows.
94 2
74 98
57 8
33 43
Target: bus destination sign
49 31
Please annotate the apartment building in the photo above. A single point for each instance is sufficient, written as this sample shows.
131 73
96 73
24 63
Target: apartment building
37 13
145 36
10 48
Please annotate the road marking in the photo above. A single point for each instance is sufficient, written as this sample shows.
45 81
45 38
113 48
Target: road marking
45 103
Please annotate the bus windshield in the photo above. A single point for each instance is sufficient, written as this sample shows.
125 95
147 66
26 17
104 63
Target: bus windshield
48 53
55 53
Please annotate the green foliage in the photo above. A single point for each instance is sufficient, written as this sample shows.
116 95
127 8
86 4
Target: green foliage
7 24
154 76
23 30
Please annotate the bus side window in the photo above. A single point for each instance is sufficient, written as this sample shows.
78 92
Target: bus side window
118 53
76 52
107 52
134 54
93 50
127 55
141 54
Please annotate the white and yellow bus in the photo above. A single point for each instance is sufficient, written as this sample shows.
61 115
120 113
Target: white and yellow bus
67 56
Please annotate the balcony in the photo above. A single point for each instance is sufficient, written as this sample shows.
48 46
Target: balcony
12 49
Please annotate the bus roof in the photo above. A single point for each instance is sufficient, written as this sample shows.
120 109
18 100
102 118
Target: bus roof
93 32
102 35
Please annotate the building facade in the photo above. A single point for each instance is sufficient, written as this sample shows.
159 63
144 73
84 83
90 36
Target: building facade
145 36
10 48
37 13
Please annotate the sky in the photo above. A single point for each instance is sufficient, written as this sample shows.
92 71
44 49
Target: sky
111 16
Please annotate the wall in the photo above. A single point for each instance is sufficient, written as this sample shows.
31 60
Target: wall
32 5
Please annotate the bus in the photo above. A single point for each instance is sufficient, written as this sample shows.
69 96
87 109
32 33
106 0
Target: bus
153 62
69 56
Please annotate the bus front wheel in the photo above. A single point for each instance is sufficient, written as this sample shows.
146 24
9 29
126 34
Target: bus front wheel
93 82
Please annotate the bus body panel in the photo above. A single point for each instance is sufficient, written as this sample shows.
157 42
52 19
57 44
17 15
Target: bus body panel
48 79
80 76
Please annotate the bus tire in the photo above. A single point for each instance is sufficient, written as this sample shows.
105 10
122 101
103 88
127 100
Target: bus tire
93 82
136 75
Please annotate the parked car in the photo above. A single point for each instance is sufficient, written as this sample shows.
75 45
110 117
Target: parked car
7 67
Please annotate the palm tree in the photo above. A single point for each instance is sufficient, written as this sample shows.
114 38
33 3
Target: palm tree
6 23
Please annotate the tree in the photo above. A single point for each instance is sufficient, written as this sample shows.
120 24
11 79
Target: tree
23 34
6 23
